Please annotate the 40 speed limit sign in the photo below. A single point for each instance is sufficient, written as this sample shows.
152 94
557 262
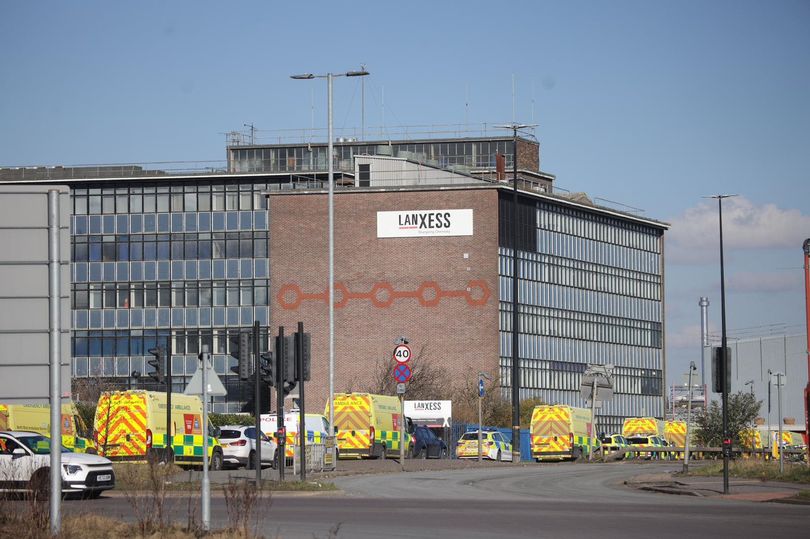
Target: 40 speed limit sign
402 353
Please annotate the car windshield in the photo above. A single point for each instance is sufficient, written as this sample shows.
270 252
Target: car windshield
472 436
228 434
40 445
638 440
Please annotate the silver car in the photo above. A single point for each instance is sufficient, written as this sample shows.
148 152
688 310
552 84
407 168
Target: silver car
239 447
25 459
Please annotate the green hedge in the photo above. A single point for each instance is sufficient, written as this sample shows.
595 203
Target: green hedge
218 420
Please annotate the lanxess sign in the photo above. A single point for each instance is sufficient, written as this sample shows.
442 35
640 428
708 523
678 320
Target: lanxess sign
418 223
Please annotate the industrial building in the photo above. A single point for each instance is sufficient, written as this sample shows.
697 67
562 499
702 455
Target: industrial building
423 249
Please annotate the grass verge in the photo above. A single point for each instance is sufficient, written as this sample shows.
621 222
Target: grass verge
766 471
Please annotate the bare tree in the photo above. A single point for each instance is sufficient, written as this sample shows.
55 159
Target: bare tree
496 410
429 381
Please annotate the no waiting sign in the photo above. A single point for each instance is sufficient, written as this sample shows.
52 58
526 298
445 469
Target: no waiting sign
402 353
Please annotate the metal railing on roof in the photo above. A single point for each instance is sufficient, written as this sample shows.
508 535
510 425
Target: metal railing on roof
318 135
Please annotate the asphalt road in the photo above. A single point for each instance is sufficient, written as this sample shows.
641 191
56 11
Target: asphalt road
506 501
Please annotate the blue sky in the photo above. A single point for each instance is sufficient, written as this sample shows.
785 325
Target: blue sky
652 104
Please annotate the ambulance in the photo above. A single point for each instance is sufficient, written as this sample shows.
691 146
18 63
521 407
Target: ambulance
131 426
37 418
645 432
675 435
368 426
317 429
560 432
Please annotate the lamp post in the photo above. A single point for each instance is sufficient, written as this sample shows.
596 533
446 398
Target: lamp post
331 204
515 379
723 349
692 369
806 248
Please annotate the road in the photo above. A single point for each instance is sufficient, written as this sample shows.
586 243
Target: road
508 501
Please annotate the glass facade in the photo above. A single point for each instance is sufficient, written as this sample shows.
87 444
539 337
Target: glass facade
313 158
173 261
590 290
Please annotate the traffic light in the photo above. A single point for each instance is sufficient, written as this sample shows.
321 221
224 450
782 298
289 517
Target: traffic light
306 351
242 354
721 369
289 359
157 362
268 368
287 387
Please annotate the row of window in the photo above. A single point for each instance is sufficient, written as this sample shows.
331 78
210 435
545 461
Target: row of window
541 374
580 351
577 299
589 250
164 198
170 294
231 268
166 317
139 342
578 274
598 227
315 158
121 248
151 223
583 326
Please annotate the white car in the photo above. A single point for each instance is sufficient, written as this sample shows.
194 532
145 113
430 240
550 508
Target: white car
25 459
239 446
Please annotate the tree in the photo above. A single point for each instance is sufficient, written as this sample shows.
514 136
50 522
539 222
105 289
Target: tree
743 409
429 381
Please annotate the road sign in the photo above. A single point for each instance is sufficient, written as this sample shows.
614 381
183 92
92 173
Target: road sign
215 387
603 376
402 353
400 389
480 387
402 373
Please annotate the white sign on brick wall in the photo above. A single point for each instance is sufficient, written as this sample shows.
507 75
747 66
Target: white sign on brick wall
424 223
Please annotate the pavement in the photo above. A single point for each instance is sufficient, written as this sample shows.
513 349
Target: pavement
753 490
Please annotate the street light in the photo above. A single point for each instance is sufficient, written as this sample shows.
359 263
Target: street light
692 369
515 127
723 349
331 203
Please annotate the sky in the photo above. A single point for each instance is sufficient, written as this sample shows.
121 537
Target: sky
651 104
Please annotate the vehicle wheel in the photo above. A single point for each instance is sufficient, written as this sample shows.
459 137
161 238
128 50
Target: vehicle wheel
216 461
39 484
498 456
577 454
443 454
424 453
251 463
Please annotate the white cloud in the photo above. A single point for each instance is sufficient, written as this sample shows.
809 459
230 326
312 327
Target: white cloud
771 282
684 337
694 236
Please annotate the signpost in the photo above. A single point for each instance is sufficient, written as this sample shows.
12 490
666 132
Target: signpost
402 373
596 385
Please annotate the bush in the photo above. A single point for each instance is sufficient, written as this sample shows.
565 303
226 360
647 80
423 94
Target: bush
218 420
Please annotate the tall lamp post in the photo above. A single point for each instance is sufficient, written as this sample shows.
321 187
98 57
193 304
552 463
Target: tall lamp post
723 349
331 204
806 248
688 418
515 379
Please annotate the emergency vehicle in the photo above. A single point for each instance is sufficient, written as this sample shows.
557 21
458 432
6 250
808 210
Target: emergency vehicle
317 429
131 425
675 435
645 432
37 418
613 443
368 426
560 432
494 446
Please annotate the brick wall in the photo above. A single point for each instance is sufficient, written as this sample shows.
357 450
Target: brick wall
460 336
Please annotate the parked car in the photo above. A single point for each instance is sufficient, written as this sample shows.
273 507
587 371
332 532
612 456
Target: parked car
239 447
493 445
25 459
427 445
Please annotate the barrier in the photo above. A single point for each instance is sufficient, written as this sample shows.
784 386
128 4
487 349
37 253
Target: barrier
315 458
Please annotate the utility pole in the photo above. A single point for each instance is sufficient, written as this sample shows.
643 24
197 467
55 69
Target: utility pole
481 376
257 376
704 334
806 248
779 444
205 356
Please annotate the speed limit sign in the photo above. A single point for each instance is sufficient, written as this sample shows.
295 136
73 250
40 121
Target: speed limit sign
402 353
